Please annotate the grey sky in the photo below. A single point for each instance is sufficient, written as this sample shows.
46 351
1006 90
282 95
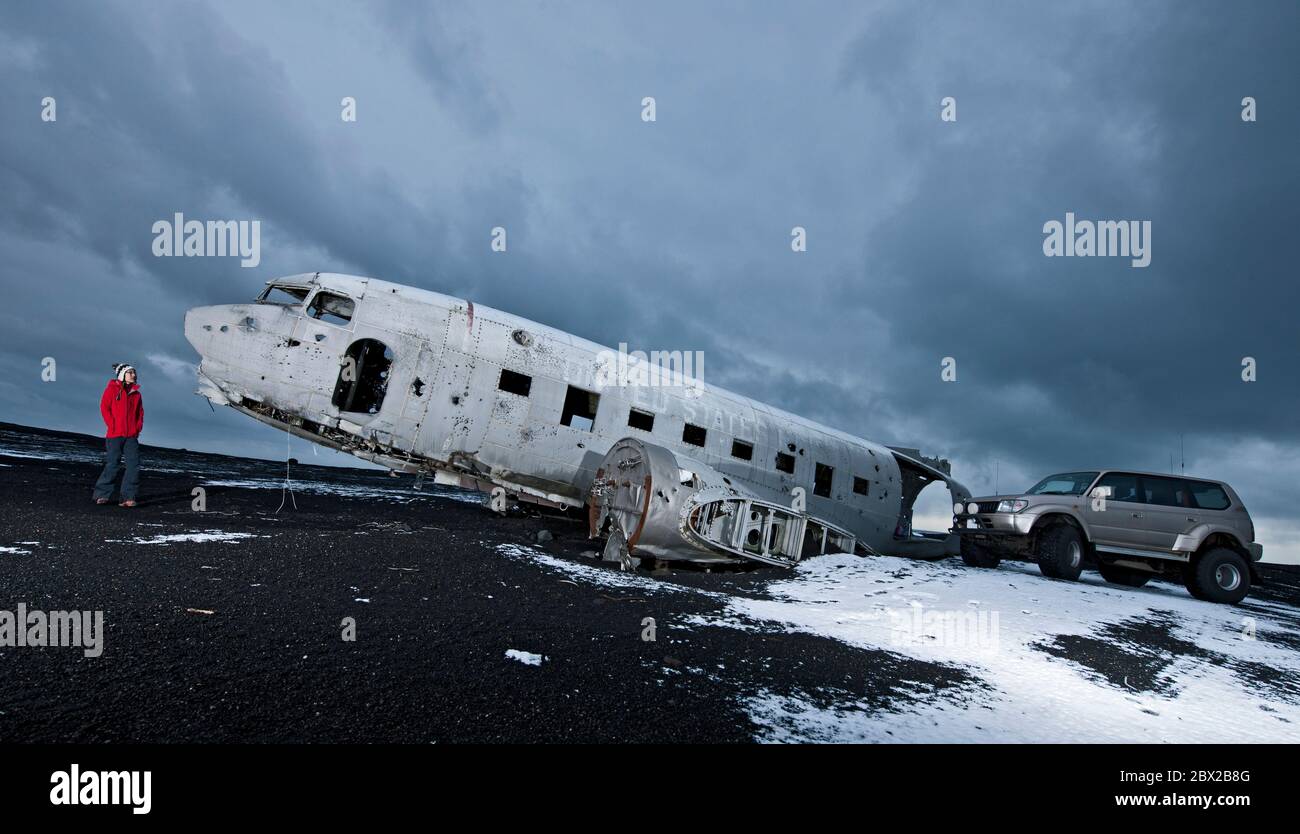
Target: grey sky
924 237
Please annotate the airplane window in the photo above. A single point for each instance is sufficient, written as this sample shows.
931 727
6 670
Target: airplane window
515 383
822 480
694 435
784 462
861 485
331 308
287 296
741 449
363 377
579 409
643 420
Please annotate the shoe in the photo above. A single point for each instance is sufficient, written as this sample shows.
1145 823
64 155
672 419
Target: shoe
130 502
101 500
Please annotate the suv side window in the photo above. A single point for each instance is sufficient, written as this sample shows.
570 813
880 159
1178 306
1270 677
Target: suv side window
1123 487
1164 492
1209 496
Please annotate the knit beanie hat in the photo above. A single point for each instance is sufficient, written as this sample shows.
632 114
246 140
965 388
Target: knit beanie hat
121 369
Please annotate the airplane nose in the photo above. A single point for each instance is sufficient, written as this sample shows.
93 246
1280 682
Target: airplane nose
192 326
205 330
202 324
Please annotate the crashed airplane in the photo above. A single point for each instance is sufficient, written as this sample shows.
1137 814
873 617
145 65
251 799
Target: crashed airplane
424 383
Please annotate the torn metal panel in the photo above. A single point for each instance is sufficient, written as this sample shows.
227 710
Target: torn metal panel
662 503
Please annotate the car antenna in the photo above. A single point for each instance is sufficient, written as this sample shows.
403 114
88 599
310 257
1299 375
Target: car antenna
995 478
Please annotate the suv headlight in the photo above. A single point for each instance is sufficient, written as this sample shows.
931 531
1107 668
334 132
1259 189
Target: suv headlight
1012 505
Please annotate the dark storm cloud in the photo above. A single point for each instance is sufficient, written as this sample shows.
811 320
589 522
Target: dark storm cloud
446 59
1133 115
924 237
181 115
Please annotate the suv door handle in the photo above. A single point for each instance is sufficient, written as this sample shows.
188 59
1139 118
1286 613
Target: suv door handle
1137 515
1192 518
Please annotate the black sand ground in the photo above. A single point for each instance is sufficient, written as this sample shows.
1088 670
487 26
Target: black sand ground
429 663
436 606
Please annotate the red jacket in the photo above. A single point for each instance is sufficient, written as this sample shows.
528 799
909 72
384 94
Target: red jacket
122 409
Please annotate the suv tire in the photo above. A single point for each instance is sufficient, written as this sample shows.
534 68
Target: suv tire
1219 575
1060 552
978 555
1128 577
1189 582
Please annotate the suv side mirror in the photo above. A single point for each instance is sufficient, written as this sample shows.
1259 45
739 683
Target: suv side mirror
1103 492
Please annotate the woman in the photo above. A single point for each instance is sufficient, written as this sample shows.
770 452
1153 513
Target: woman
123 412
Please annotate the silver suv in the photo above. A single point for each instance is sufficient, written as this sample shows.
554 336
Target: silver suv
1131 525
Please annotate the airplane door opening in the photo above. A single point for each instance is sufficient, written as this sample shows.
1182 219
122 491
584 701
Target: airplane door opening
935 509
932 508
363 378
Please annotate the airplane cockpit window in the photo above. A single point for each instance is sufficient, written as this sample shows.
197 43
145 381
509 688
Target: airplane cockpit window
285 296
331 308
363 377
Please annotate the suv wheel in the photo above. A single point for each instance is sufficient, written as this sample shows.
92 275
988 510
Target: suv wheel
1189 581
978 555
1219 575
1128 577
1060 552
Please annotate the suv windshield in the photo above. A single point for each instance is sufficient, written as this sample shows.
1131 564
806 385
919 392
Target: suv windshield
1067 483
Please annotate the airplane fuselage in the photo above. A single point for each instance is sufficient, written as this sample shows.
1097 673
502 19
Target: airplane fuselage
423 382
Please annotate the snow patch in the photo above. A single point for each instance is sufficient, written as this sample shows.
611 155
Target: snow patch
1046 648
526 658
605 577
200 536
1056 661
404 495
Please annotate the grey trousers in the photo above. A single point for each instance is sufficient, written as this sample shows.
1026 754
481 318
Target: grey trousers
120 449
